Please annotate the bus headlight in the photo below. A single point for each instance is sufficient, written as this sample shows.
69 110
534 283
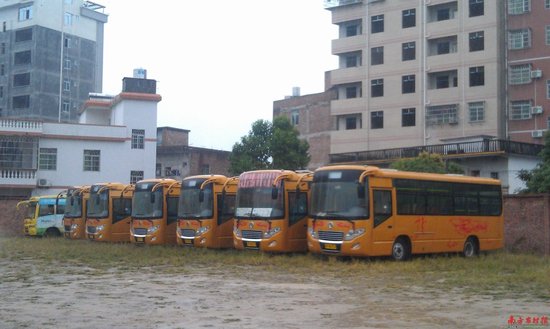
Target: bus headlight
272 232
153 229
74 227
99 228
353 234
202 230
237 232
311 232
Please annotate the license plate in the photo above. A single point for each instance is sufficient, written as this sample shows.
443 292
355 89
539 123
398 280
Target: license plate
187 241
91 236
334 247
252 244
140 239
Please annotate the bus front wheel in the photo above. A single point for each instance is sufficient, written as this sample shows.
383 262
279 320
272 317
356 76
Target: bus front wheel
471 247
52 233
401 249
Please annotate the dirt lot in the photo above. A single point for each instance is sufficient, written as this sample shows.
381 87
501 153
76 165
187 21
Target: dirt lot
67 296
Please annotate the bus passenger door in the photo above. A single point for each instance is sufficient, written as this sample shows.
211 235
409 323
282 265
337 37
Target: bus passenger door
383 222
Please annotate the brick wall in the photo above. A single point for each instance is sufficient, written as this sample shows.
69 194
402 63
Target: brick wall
11 220
527 223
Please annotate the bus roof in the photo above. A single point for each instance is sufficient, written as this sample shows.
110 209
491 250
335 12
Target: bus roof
392 173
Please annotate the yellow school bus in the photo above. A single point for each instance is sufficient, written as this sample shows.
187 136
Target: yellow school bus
271 210
367 211
74 219
154 211
205 211
108 212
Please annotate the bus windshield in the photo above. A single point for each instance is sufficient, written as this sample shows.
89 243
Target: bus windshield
73 208
189 205
98 206
147 204
30 211
336 194
258 202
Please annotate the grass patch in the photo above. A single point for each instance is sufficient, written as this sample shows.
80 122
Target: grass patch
499 275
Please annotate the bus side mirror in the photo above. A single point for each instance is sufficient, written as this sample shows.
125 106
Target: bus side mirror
274 193
360 191
201 196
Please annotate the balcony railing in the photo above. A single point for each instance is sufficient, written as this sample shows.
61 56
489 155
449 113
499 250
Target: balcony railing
17 176
20 125
485 147
337 3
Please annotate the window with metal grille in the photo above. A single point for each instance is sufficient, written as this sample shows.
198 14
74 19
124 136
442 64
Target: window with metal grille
408 84
138 138
136 176
476 111
91 160
377 120
408 51
518 7
519 39
442 114
476 8
377 24
520 74
409 18
377 88
477 76
520 110
47 159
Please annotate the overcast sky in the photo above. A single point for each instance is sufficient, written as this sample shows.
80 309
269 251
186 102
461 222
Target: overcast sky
219 64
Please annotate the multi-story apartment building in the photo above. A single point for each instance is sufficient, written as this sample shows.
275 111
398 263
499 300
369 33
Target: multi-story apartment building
528 36
432 75
51 57
115 141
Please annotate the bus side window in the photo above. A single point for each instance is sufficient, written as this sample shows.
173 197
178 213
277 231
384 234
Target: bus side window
60 209
382 206
297 207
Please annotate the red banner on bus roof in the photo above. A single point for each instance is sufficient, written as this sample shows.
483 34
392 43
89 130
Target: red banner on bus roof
258 179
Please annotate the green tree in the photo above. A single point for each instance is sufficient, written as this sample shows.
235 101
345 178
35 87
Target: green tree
269 145
538 179
427 162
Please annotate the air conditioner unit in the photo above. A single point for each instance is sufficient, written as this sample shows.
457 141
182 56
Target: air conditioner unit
42 182
535 74
536 110
537 133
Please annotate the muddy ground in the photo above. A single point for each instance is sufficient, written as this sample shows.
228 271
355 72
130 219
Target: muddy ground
71 296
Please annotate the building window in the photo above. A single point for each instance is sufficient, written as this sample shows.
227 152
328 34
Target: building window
520 74
377 120
476 111
67 64
68 19
91 160
408 117
519 39
3 49
476 8
409 18
548 35
349 122
548 89
66 85
547 4
138 138
295 117
21 102
377 55
2 69
408 84
477 41
23 35
351 29
409 52
377 88
520 110
477 76
67 42
66 107
22 57
377 24
47 159
25 13
23 79
136 176
351 92
1 91
443 14
441 46
518 7
442 82
352 59
494 174
442 114
158 170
